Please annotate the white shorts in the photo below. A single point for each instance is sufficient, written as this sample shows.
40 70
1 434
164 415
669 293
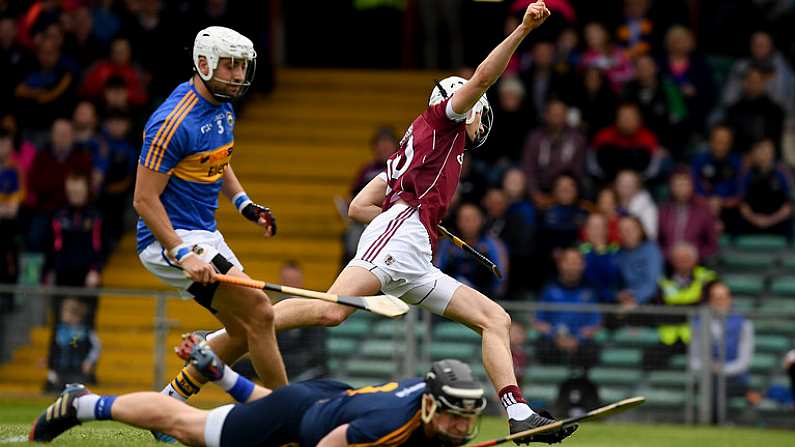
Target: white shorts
208 244
396 248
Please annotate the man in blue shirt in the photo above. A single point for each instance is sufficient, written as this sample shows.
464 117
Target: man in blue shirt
184 164
440 410
567 336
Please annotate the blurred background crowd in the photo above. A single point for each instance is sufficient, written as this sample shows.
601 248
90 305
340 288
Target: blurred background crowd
630 137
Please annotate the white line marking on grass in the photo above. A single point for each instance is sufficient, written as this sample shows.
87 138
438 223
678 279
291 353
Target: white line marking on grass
14 439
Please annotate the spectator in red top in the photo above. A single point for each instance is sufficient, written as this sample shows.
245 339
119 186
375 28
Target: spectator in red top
687 218
46 181
602 54
118 65
551 151
607 205
626 145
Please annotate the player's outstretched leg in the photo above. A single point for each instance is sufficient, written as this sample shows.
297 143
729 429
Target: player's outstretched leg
147 410
472 308
212 368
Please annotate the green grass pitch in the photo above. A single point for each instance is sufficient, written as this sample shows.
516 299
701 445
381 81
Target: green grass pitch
16 416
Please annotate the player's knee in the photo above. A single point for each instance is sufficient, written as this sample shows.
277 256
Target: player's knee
259 317
498 318
333 315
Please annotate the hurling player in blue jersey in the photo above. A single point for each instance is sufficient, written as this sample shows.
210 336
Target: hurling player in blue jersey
440 410
184 165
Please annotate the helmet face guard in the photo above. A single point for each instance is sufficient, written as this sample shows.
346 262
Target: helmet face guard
453 390
216 43
445 89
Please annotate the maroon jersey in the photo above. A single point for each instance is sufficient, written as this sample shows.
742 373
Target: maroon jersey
424 171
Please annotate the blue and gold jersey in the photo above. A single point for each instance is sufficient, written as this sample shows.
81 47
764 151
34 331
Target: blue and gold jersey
191 140
383 415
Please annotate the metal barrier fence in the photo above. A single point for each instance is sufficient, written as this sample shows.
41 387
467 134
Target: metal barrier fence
367 349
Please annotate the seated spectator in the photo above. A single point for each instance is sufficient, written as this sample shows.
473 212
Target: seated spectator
567 336
601 259
602 54
518 232
541 80
382 144
77 240
521 360
504 146
735 335
593 100
10 198
47 91
686 218
640 262
74 348
692 87
636 201
85 124
635 31
716 175
780 85
560 224
607 206
568 51
685 287
14 59
114 96
627 144
766 197
24 151
755 115
464 267
304 349
551 151
45 192
648 92
120 175
118 65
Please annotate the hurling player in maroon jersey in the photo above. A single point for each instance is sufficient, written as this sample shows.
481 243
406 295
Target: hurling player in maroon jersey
402 207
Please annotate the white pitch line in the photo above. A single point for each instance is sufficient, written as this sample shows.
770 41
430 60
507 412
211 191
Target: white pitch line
14 439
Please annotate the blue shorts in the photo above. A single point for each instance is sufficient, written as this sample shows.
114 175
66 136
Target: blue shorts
275 420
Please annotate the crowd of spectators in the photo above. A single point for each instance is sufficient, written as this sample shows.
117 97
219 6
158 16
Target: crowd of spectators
621 153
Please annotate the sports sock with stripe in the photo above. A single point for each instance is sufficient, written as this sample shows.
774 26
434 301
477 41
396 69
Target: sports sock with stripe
514 403
93 407
239 387
183 386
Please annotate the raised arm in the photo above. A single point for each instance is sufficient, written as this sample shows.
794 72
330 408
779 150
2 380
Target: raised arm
367 204
495 63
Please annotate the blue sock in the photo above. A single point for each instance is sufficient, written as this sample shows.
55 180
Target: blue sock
236 385
102 408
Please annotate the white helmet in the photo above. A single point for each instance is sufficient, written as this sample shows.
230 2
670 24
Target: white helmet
216 42
446 88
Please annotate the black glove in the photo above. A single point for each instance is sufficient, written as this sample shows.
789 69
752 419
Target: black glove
253 212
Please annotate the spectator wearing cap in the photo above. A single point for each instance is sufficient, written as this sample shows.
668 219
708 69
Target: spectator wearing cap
716 175
780 82
465 268
686 218
635 200
766 191
550 151
755 115
567 336
627 144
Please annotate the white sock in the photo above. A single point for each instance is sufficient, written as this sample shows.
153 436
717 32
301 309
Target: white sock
228 380
212 335
519 411
171 392
85 406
